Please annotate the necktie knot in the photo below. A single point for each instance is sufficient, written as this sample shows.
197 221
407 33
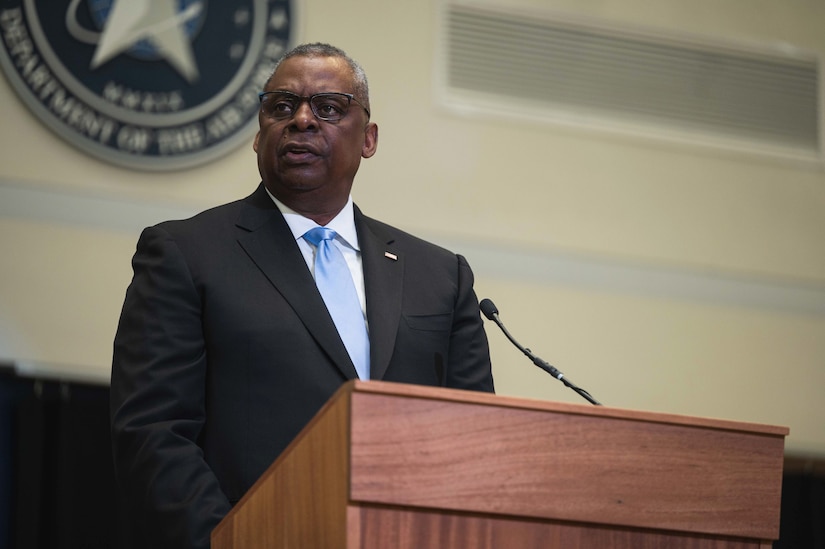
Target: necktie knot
316 235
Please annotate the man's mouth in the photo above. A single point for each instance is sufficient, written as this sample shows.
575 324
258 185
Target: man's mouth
299 152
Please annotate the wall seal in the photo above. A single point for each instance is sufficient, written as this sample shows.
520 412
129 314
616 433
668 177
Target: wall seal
145 84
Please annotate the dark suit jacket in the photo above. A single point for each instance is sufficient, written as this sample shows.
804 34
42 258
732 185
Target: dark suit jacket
225 351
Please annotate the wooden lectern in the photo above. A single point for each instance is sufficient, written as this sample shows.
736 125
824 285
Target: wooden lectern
393 466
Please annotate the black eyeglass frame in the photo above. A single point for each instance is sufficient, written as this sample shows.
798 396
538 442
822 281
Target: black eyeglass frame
308 98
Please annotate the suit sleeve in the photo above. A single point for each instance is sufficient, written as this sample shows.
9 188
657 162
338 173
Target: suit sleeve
159 366
469 356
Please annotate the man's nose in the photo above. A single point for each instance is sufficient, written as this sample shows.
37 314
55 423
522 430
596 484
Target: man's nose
304 118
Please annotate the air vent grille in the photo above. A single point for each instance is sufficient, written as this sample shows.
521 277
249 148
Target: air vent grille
767 98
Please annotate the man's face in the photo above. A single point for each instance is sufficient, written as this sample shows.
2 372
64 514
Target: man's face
308 163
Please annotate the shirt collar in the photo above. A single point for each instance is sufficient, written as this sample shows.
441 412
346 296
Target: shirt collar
343 223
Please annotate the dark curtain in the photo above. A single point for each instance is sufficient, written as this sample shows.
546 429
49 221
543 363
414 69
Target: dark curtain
11 393
802 519
59 465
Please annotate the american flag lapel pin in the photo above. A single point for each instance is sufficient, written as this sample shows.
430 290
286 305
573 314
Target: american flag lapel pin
391 256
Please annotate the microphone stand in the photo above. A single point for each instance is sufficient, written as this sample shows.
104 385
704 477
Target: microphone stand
544 365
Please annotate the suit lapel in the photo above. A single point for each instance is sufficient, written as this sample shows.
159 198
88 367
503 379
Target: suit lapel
272 247
383 280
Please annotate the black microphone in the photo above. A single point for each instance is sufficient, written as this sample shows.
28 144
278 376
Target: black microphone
491 312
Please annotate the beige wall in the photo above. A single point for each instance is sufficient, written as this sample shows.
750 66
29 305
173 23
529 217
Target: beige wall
658 276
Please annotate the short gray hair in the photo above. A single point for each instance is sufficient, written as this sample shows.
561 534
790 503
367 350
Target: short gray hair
319 49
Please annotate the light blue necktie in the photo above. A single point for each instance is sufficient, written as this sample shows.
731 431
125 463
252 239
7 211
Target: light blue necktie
334 281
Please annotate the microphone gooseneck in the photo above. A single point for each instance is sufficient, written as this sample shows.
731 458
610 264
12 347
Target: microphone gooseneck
489 310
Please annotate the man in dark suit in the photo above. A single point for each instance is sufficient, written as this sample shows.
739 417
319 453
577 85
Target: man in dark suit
225 347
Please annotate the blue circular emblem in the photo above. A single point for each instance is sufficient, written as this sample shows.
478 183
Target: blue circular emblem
147 84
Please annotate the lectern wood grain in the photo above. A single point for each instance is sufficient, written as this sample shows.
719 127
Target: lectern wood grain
388 465
417 529
526 462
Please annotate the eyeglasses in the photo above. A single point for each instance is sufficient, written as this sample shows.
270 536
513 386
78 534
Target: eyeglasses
330 106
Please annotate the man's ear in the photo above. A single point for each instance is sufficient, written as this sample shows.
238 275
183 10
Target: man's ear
255 143
370 140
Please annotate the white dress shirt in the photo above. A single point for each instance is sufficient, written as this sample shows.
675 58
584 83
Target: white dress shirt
346 241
